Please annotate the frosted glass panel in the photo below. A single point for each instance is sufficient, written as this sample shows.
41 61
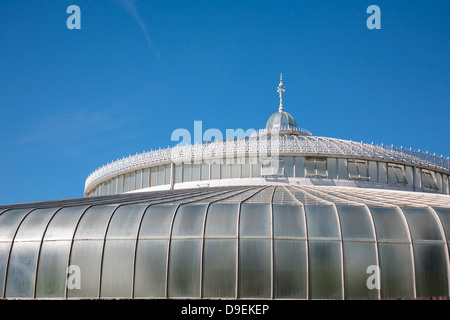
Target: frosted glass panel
355 222
299 163
422 224
219 269
187 171
254 268
4 252
321 221
221 220
444 216
255 220
93 223
205 171
290 281
288 221
357 257
87 255
21 272
117 268
156 222
396 271
33 226
389 224
195 172
431 270
146 178
184 268
150 277
125 221
63 224
325 270
52 270
189 221
9 222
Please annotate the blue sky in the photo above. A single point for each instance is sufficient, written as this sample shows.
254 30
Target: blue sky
73 100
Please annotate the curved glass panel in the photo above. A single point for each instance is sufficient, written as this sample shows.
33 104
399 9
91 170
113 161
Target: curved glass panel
290 281
389 224
33 226
288 221
63 224
254 268
9 222
355 223
94 222
358 256
219 269
150 276
396 274
21 271
118 258
444 216
189 221
254 220
321 222
221 220
325 279
125 221
86 254
156 222
52 269
422 224
431 270
184 268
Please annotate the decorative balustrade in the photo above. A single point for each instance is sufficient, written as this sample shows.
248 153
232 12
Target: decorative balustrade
264 145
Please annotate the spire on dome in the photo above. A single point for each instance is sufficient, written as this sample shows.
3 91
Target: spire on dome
280 90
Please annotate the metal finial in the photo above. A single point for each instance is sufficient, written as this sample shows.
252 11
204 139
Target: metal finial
280 90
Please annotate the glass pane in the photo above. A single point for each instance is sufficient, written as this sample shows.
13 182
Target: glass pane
9 222
63 224
389 224
150 277
156 222
288 221
187 171
444 216
205 171
195 172
396 271
117 270
422 224
189 221
178 173
4 253
146 178
52 270
325 270
132 180
431 270
221 220
289 167
255 220
87 256
321 166
161 175
400 173
321 222
125 221
310 167
184 268
33 226
21 270
120 184
167 172
126 186
153 177
355 222
290 279
352 169
299 166
225 171
256 170
138 179
219 269
392 177
362 169
382 172
93 223
245 170
373 170
235 171
358 256
254 268
215 171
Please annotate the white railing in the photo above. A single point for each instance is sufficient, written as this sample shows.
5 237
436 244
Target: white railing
261 146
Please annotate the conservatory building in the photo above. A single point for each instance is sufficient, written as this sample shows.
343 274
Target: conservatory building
281 214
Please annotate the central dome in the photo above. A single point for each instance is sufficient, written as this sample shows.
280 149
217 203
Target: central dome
281 121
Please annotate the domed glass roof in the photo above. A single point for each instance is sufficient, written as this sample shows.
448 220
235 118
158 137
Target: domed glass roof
281 121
